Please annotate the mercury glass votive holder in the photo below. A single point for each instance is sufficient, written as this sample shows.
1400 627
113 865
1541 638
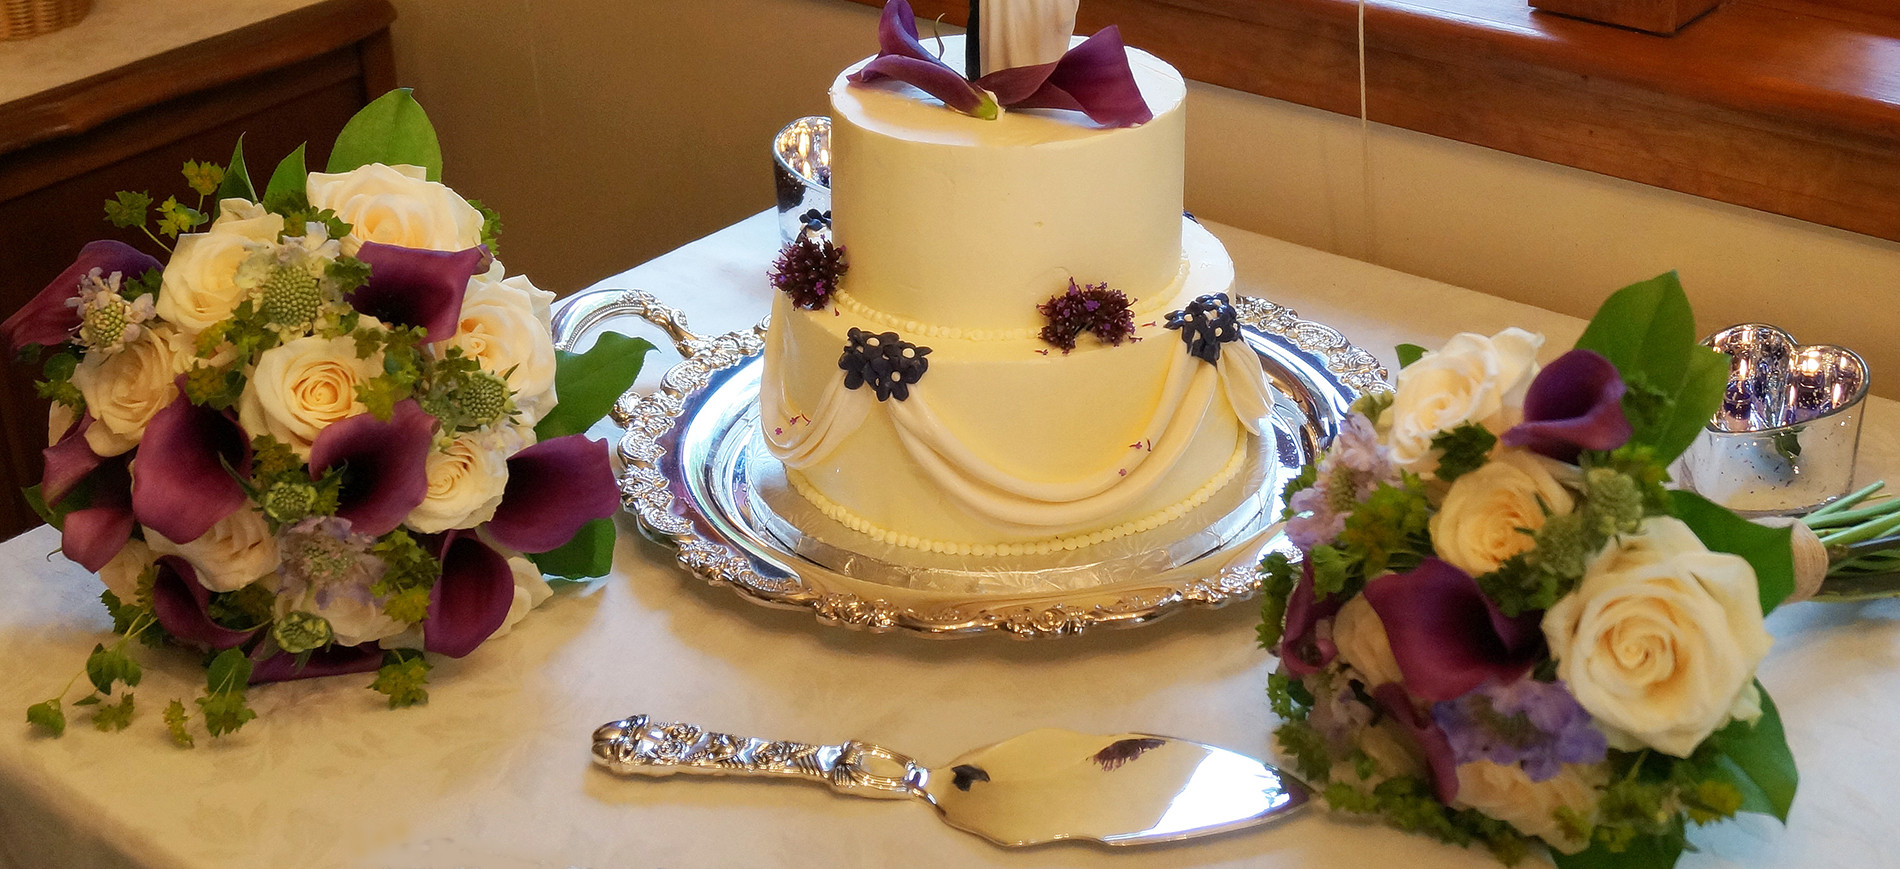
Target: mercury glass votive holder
801 171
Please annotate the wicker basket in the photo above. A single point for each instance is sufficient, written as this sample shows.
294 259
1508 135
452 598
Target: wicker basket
28 18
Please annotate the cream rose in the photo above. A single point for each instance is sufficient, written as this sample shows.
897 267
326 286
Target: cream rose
302 386
531 590
1474 379
201 285
126 389
1490 514
1660 641
1504 792
466 480
503 325
396 205
1360 638
236 552
121 574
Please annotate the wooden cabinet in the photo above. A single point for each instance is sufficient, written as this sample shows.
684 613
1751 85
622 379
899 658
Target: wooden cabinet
286 80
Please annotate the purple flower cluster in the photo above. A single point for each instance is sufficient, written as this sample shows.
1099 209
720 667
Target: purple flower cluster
808 270
1537 724
1093 308
1350 470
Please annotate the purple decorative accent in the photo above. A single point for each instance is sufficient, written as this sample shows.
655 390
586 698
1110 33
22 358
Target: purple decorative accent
886 362
1574 404
1447 637
1092 308
808 270
68 462
182 605
92 536
1427 738
1537 724
1302 649
472 598
902 56
385 466
46 319
1205 324
327 661
554 487
413 287
1352 468
182 488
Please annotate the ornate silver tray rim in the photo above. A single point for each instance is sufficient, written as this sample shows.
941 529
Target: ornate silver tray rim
1319 369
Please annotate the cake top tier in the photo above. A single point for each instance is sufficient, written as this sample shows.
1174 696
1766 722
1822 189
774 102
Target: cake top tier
955 221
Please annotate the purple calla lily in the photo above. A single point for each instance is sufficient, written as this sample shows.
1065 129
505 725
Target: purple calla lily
182 487
182 605
1427 738
414 287
327 661
385 466
471 599
901 56
554 487
46 319
93 535
1574 404
1447 636
68 461
1302 650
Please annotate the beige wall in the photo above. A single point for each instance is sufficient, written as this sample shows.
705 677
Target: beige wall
608 132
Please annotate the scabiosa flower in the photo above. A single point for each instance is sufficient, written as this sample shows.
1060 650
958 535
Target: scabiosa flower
1205 324
1537 724
1092 308
328 573
889 364
808 270
108 320
1354 466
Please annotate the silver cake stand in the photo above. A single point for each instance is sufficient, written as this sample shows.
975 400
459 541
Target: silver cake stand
698 478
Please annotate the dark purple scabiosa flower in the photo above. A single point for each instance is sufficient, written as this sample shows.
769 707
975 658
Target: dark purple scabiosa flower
384 464
183 607
47 319
808 270
182 487
1447 636
1304 650
1537 724
1574 404
888 363
1205 324
1092 308
471 600
414 287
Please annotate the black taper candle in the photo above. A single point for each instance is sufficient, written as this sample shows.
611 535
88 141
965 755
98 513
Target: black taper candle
973 43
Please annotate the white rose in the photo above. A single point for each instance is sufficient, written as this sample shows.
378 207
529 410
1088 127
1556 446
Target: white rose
1660 641
1360 638
396 205
122 573
1474 379
531 590
466 480
302 386
1490 514
1504 792
500 327
126 389
234 553
200 286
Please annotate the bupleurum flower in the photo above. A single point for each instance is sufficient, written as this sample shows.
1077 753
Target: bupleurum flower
1205 324
808 270
1537 724
108 320
889 364
1091 308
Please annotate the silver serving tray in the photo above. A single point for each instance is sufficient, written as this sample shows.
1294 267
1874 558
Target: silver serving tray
698 478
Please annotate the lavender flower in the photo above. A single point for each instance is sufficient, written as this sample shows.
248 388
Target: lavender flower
1347 474
1537 724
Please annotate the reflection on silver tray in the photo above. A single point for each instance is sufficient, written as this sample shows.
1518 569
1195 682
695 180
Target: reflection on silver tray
698 478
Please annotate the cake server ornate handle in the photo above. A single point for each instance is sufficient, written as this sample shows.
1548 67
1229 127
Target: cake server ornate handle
638 745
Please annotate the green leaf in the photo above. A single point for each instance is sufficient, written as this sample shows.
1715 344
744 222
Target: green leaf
104 667
287 181
224 712
229 671
1462 450
590 553
47 716
1646 330
1767 550
55 518
237 178
1643 852
391 130
589 383
128 209
1755 758
1409 353
113 716
1695 404
402 677
175 718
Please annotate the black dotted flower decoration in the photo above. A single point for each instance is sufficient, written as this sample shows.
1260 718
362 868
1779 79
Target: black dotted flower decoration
1205 324
808 270
815 220
886 362
1093 308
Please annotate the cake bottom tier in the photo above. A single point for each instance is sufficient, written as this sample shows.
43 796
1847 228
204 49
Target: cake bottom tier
1006 445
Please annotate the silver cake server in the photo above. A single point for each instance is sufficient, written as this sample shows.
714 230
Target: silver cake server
1042 786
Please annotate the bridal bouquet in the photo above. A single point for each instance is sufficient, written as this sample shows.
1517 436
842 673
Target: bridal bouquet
328 435
1500 627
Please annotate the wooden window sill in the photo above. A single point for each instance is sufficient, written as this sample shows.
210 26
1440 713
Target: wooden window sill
1787 106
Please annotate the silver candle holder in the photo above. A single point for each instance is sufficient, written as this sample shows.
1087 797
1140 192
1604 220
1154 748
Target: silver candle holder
801 171
1785 439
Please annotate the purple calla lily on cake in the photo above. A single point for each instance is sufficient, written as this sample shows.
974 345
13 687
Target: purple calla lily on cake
325 433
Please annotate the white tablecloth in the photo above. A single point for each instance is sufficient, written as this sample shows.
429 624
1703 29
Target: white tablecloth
495 770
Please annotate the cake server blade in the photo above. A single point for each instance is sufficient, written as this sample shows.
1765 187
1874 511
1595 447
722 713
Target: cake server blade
1042 786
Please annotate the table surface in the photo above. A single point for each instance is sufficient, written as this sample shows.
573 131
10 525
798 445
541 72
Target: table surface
495 770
